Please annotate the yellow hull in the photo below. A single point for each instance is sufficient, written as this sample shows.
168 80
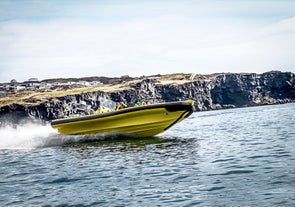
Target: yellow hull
139 121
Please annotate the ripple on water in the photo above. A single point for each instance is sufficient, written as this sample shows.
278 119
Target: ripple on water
239 157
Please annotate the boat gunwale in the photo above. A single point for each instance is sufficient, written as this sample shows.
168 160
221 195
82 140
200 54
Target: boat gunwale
170 106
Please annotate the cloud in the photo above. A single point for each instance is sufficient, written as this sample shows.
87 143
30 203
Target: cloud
243 50
284 26
83 48
144 46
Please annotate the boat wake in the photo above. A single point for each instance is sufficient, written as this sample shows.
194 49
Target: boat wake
31 135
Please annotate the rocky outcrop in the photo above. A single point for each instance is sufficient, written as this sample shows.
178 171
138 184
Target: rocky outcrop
242 90
218 91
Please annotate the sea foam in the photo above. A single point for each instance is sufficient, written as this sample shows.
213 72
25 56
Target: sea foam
31 135
25 136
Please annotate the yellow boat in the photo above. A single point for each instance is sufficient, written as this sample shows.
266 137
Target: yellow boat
138 121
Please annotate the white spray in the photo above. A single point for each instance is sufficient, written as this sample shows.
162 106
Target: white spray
35 135
25 136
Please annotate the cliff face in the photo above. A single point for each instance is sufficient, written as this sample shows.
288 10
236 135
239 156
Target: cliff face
252 89
209 93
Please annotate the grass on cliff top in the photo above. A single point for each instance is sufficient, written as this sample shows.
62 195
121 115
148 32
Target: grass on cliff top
35 97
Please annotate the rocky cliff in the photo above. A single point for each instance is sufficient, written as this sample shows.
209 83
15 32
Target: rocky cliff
210 92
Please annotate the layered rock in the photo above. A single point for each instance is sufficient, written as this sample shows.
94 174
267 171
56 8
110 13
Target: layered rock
210 92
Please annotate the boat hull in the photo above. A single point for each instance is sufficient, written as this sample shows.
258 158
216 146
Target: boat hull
139 121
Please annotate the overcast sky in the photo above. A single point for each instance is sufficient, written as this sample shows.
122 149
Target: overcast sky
68 38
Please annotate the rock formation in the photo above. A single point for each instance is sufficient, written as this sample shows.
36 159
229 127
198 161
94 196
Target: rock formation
210 92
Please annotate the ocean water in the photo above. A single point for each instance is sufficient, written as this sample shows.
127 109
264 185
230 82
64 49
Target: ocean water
235 157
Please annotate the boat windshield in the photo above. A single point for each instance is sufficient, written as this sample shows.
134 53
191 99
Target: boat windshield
107 102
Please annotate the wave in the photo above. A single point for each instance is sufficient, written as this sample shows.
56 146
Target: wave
31 135
25 135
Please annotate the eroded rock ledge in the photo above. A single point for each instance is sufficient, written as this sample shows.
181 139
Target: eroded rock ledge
210 92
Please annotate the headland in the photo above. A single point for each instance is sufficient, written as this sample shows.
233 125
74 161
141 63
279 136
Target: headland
56 98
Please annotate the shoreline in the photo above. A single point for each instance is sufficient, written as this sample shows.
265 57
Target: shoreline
210 92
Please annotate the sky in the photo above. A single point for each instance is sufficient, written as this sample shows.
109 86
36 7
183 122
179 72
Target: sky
71 38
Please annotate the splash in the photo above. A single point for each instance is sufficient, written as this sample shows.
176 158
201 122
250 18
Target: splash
36 135
25 136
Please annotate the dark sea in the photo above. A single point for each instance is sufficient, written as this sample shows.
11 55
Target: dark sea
234 157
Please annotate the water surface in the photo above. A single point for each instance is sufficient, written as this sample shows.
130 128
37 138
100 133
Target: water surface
237 157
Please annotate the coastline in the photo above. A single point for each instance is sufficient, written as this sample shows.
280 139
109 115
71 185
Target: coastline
210 92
